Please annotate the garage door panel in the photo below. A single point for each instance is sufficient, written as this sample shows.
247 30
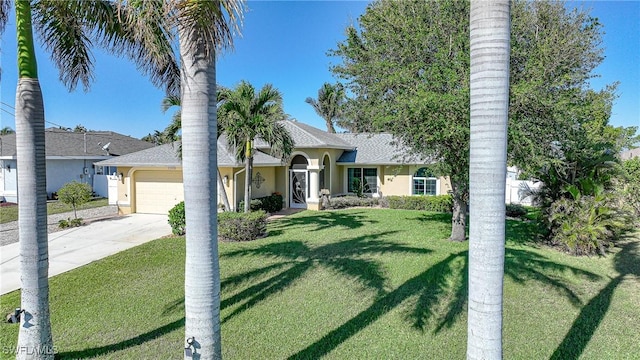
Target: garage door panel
158 191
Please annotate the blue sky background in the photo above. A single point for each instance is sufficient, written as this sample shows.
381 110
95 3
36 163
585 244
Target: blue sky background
283 43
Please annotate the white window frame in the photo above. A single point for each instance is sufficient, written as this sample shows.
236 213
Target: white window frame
425 178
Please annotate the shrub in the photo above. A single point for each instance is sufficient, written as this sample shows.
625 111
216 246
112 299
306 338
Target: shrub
516 210
269 204
231 226
69 223
75 194
242 226
177 219
343 202
439 203
586 225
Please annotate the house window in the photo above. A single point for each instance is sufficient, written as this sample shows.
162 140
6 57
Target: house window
365 177
424 183
105 170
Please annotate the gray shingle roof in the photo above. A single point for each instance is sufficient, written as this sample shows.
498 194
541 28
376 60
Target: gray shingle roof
60 142
306 136
375 149
167 155
163 155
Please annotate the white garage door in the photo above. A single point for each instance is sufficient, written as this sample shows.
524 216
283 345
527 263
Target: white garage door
158 191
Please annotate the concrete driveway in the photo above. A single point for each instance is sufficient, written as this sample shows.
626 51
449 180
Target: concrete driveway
79 246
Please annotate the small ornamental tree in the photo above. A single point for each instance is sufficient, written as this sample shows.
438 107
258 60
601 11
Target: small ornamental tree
75 194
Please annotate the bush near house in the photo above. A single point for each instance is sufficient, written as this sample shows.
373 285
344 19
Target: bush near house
270 204
242 226
516 211
232 226
343 202
176 219
439 203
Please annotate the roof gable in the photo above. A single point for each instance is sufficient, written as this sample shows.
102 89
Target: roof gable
306 136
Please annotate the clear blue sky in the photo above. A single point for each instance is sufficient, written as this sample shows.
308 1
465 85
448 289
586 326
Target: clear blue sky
283 43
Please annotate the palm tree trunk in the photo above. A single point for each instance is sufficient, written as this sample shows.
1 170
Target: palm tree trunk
199 164
330 128
248 175
35 326
225 199
490 42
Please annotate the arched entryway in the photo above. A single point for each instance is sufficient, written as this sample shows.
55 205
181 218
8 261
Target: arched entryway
298 182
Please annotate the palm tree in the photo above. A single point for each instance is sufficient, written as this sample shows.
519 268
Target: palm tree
172 130
67 28
250 115
171 133
6 131
489 101
204 27
329 104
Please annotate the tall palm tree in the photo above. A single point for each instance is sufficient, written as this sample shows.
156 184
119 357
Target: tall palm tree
489 101
204 28
329 103
250 115
171 133
67 29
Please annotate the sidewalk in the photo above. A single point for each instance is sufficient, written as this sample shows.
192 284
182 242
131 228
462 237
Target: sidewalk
72 248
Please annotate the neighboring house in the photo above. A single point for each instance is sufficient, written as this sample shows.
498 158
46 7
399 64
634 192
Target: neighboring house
150 181
626 155
69 156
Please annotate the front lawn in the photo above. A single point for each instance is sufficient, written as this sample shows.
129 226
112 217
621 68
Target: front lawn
10 213
348 284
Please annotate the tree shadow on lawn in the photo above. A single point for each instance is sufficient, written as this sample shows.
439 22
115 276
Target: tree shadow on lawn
627 264
442 295
295 258
122 345
324 220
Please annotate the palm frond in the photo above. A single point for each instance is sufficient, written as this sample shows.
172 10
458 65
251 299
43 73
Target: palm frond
5 8
63 33
170 101
143 32
213 22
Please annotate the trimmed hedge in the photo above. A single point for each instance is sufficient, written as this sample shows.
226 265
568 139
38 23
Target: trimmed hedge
242 226
343 202
439 203
270 204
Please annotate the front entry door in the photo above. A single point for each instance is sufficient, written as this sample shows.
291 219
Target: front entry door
298 188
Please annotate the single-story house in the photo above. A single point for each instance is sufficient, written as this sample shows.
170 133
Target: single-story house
150 181
69 156
629 154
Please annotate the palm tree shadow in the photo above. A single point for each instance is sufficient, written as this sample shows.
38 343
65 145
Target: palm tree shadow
324 220
442 295
295 258
125 344
627 264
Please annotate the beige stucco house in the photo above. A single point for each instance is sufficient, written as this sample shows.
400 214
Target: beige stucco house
150 181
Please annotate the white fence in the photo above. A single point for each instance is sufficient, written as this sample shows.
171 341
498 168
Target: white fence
516 191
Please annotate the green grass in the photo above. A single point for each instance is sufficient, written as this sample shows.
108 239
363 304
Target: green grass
10 213
351 284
